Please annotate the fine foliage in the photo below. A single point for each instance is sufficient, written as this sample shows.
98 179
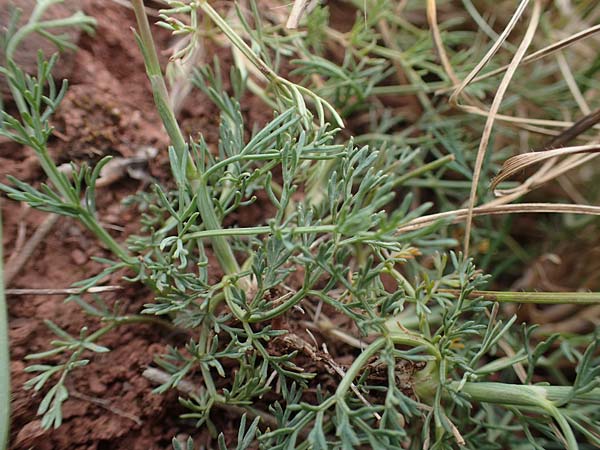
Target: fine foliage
344 267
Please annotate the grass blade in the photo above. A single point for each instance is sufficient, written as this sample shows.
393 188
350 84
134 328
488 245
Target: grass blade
4 361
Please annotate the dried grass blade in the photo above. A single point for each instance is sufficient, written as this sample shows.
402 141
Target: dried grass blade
557 46
519 162
579 127
437 40
459 215
491 52
567 74
487 131
550 169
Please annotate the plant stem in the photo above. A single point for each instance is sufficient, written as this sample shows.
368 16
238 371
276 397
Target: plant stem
55 176
281 84
61 183
543 298
75 20
86 217
34 25
570 440
150 320
397 338
543 397
127 320
159 88
255 231
57 179
238 41
223 251
92 224
423 169
280 309
4 360
357 366
197 180
524 395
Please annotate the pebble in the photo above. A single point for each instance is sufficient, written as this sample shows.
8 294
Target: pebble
79 257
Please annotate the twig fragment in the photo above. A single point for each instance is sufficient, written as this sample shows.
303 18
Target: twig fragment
64 291
487 132
14 267
298 10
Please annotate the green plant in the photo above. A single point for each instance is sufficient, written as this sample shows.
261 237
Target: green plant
4 359
344 240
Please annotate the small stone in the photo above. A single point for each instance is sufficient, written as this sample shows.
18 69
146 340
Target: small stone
79 257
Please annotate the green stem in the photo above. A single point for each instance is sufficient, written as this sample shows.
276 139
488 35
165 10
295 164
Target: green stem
60 182
150 320
223 251
75 20
206 375
544 298
566 429
57 179
236 310
238 41
408 89
357 366
92 224
159 88
34 25
288 88
544 397
397 338
241 157
524 395
161 100
87 218
280 309
221 247
435 183
423 169
273 156
126 320
255 231
4 360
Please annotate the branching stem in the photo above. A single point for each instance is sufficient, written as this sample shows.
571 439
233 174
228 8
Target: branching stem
197 180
